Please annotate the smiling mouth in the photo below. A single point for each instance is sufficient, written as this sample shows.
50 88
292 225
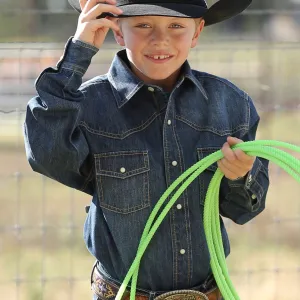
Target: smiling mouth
158 58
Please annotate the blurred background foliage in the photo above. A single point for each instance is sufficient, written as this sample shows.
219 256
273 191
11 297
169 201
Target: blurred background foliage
42 253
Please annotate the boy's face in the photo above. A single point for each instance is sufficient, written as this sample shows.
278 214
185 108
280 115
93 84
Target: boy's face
157 46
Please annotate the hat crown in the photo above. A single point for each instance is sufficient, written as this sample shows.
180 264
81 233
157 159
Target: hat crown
201 3
220 11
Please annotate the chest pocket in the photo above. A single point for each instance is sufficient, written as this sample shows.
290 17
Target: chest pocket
206 176
123 180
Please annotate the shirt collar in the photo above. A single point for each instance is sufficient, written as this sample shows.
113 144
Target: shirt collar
127 84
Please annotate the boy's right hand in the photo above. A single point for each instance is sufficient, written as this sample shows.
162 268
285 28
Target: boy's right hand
92 30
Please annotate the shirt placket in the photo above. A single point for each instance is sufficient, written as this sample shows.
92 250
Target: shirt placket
179 213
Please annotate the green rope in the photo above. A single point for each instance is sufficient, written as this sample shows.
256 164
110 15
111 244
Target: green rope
263 149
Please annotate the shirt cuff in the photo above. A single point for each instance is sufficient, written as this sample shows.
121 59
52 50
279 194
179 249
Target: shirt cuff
77 56
254 183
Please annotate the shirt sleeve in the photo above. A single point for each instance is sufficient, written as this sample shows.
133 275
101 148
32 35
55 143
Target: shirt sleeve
243 199
54 143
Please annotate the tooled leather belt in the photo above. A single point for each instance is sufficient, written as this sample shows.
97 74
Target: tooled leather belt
106 290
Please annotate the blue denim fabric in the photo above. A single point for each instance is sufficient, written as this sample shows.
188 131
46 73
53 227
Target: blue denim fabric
124 143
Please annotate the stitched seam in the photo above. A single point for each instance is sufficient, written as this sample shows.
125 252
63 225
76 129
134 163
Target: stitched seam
173 129
124 210
174 242
175 257
100 184
262 168
147 181
65 86
72 66
92 83
201 187
88 179
75 69
123 153
134 208
134 90
85 45
185 199
121 135
201 154
208 150
248 106
121 175
260 191
231 86
119 153
175 274
210 129
198 84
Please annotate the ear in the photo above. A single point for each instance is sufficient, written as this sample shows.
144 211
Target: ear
119 36
198 31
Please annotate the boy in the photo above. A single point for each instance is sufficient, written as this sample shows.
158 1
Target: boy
124 137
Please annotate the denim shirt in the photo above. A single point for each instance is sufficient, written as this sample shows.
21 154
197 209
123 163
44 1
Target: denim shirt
124 142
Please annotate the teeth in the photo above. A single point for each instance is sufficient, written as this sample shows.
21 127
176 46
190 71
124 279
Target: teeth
160 56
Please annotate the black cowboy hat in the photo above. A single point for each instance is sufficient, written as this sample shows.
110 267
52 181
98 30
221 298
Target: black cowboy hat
218 12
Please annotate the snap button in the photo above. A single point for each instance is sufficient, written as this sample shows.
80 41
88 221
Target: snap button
174 163
169 122
182 251
250 178
150 89
179 206
122 170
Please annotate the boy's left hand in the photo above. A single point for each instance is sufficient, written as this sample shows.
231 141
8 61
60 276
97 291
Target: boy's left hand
236 163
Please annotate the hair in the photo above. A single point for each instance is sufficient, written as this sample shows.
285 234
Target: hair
197 21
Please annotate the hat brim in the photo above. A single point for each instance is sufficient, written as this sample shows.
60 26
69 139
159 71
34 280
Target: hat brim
220 11
225 9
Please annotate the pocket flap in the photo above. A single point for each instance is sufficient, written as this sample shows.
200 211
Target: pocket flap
122 164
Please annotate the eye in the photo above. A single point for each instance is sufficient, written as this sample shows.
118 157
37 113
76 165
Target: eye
143 26
176 26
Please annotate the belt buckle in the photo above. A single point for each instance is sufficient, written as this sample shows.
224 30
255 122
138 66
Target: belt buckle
182 295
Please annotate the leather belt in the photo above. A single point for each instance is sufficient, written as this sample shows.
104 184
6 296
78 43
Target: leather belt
106 290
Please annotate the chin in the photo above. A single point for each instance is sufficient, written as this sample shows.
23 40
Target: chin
158 76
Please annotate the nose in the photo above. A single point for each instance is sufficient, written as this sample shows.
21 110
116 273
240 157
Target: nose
159 36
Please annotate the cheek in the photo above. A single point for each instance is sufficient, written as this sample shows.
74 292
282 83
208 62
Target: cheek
133 42
184 41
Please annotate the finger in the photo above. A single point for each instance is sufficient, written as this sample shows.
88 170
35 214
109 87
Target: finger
228 173
82 4
91 3
236 168
243 157
113 19
98 23
102 8
228 153
233 141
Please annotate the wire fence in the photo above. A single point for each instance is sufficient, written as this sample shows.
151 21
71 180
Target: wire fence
42 253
